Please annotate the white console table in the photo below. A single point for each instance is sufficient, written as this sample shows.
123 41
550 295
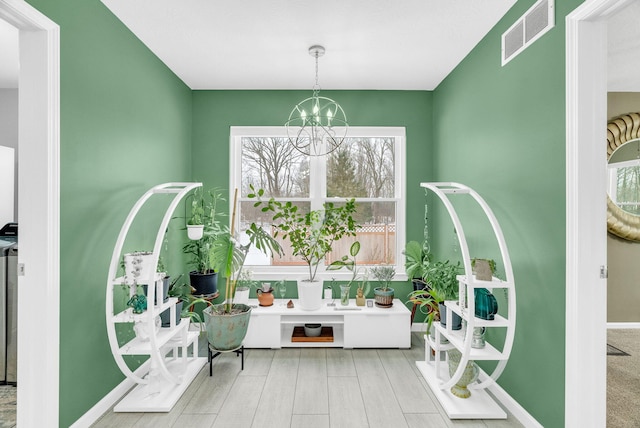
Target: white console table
353 326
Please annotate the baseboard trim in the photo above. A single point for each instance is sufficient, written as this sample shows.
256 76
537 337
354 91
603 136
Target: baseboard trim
518 412
500 394
109 400
419 326
614 325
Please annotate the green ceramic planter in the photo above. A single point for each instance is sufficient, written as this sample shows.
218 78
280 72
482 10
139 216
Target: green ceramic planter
226 332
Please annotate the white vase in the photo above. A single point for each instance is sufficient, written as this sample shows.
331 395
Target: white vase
195 231
309 294
242 295
138 267
142 330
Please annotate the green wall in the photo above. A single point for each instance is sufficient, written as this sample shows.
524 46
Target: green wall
125 126
501 130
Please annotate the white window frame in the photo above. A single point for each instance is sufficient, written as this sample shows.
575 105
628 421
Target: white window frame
318 189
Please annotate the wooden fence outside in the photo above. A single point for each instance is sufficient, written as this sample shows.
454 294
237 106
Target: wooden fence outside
377 246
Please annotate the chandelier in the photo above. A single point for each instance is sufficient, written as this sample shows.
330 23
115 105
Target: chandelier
317 125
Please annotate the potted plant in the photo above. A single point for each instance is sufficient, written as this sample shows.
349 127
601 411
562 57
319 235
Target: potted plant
204 277
243 286
417 260
195 224
311 236
227 323
137 267
483 268
186 299
428 301
384 293
443 278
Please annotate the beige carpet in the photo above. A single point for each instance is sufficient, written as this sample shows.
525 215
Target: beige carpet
623 378
7 406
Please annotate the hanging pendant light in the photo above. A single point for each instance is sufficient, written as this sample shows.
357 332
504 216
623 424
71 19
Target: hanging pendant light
317 125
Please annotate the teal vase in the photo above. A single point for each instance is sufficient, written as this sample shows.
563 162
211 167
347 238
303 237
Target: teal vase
225 332
486 304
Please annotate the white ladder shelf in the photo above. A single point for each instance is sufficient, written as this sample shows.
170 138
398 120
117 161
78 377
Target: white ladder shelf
434 369
170 369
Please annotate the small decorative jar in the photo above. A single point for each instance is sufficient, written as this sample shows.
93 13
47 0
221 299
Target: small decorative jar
265 298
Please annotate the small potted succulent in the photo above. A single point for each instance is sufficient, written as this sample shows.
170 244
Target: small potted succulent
484 269
384 293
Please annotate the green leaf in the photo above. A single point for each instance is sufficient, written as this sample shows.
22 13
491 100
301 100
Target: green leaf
355 249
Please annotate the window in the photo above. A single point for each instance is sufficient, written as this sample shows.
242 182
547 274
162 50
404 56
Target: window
368 166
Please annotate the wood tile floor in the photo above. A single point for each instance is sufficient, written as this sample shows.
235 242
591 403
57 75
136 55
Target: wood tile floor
308 388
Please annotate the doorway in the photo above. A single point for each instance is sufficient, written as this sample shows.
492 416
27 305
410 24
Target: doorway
586 117
38 213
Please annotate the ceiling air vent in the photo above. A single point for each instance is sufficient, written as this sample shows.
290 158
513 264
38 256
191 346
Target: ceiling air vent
530 27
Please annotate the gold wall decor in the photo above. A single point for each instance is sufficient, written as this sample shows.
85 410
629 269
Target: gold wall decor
621 130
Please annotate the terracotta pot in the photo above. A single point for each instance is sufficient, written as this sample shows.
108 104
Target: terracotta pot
265 297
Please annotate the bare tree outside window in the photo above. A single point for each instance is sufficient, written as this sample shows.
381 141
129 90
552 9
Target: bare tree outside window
270 163
363 168
628 189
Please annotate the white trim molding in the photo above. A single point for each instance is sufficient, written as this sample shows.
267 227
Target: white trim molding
586 90
511 405
621 325
109 400
38 217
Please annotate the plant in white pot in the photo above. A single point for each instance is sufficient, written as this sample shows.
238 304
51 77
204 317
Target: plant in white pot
311 236
227 323
195 224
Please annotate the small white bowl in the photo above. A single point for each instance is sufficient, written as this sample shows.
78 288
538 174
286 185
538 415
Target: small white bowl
312 330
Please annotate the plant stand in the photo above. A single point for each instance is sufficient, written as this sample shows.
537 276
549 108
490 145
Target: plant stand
212 353
172 365
435 368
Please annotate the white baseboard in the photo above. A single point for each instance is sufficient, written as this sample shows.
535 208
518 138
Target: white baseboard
518 412
109 400
419 326
613 325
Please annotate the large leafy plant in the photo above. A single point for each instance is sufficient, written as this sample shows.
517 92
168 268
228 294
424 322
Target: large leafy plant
311 234
443 278
417 260
228 254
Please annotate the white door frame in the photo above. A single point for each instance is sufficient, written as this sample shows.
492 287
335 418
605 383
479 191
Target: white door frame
38 214
586 305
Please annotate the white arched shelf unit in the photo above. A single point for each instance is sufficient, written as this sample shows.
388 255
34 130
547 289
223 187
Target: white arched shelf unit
171 367
434 369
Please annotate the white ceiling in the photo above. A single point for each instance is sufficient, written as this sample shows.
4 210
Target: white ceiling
374 44
258 44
